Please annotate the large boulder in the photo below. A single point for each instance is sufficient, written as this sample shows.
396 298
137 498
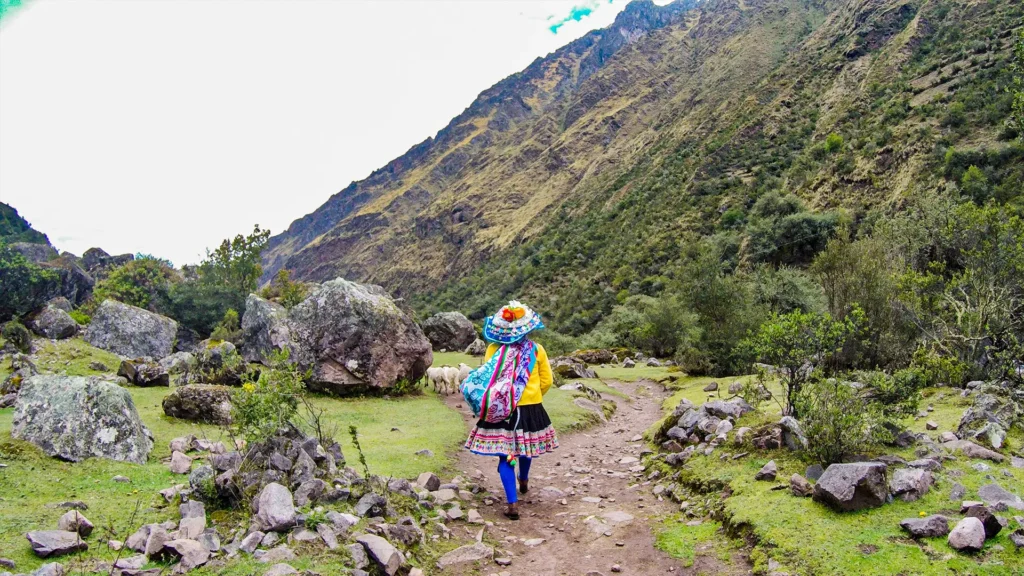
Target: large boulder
449 331
54 323
909 484
265 329
75 283
351 337
477 348
99 264
35 253
968 536
856 486
75 418
200 403
131 331
218 362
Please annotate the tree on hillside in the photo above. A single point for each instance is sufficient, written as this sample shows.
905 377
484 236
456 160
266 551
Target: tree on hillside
23 285
799 342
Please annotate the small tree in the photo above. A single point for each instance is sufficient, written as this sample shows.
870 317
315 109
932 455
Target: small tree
799 342
268 402
236 263
833 143
834 419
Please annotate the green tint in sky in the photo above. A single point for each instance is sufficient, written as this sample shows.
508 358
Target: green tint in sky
577 13
8 6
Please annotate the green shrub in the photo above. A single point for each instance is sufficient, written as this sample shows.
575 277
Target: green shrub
24 287
143 282
833 418
15 333
80 317
201 306
833 143
285 291
936 369
228 329
657 326
266 403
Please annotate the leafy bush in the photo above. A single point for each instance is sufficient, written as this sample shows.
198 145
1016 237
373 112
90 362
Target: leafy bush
284 291
80 317
657 326
15 333
201 306
797 343
834 419
833 143
143 282
24 287
228 329
269 402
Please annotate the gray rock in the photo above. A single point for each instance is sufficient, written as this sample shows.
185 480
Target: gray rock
209 540
972 450
909 484
477 348
736 387
568 367
251 542
341 521
189 553
994 494
449 331
712 387
131 331
1017 537
51 569
925 464
792 435
328 535
991 414
178 363
767 472
359 558
309 491
265 329
967 536
929 527
132 562
281 553
383 554
850 487
628 363
202 481
280 570
144 372
429 481
276 508
46 543
799 486
55 324
371 505
76 418
192 509
475 552
74 521
957 492
180 463
34 252
205 403
74 282
988 520
148 540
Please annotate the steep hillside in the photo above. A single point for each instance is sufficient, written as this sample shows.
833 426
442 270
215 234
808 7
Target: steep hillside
588 175
14 228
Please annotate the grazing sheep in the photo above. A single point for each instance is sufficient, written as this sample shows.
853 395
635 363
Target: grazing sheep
437 375
464 370
451 378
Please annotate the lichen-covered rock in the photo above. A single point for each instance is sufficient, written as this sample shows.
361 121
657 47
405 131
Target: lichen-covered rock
178 363
265 329
218 362
75 418
54 323
909 484
993 412
75 283
200 403
130 331
351 336
35 252
46 543
450 331
851 487
276 509
929 527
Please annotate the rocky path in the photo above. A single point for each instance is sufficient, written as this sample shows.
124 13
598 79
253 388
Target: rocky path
590 509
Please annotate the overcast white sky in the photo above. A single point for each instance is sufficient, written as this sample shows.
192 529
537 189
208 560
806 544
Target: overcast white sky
164 126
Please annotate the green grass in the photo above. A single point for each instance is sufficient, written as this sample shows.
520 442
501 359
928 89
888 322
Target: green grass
33 482
809 538
683 542
638 372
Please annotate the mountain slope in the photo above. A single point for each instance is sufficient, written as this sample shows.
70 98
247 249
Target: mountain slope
14 228
591 172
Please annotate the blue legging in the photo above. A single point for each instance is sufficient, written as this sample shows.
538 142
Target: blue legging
507 472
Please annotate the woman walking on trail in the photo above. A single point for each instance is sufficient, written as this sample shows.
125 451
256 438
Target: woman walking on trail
515 361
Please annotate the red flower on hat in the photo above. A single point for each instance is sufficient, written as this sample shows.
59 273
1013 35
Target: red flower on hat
508 315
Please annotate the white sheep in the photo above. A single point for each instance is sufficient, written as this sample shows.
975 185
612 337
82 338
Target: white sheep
464 370
437 375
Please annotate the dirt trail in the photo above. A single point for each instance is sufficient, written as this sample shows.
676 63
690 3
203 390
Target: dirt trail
589 501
